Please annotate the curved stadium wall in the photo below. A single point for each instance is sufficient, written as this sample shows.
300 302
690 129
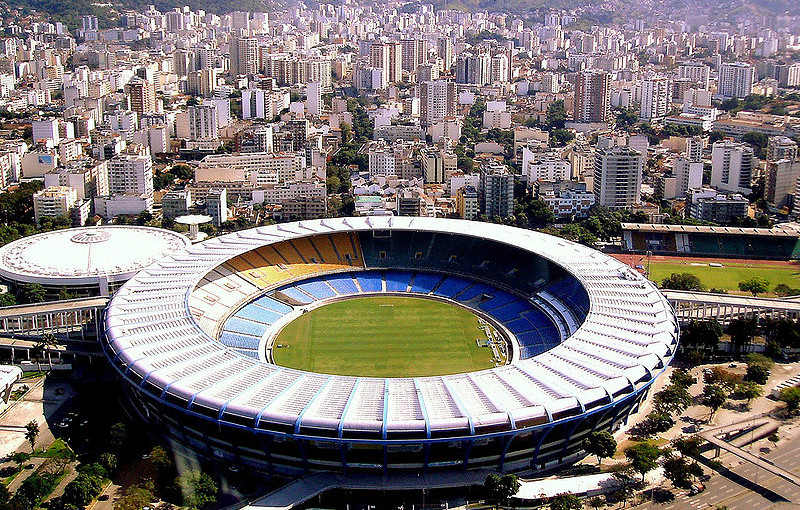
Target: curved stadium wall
192 337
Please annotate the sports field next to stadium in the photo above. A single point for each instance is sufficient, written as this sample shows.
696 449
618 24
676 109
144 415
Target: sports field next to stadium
388 336
724 274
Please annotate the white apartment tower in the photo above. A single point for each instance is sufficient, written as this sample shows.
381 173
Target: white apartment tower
732 166
128 174
618 177
203 122
735 80
655 98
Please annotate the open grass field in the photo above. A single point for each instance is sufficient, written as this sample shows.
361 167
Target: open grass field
384 336
726 277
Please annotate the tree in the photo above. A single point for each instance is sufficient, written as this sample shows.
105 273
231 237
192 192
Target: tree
758 368
117 436
600 444
566 501
722 377
681 472
643 457
682 281
742 331
681 378
773 438
791 397
198 489
756 285
655 422
44 344
758 374
501 487
29 293
20 458
31 433
108 461
672 399
7 299
714 397
596 502
556 116
688 446
701 334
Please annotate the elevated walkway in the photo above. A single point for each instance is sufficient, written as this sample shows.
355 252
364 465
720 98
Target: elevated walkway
52 317
690 305
712 436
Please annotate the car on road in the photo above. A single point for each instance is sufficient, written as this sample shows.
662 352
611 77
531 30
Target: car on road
697 488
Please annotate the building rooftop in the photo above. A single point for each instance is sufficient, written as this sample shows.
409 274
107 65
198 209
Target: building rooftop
90 252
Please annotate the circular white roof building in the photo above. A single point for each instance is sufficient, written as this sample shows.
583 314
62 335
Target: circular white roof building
91 260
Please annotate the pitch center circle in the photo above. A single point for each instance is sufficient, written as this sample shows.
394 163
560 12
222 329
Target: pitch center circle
389 336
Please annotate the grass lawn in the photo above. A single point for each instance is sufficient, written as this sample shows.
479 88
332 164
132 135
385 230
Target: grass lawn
729 276
53 450
384 337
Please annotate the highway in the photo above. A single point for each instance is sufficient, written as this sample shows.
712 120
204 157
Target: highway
745 486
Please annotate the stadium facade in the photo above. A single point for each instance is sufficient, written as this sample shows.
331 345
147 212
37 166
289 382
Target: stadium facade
192 336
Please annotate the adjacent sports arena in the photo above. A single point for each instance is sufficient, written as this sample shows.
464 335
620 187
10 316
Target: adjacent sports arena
87 261
320 346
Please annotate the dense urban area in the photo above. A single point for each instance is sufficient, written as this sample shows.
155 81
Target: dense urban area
662 134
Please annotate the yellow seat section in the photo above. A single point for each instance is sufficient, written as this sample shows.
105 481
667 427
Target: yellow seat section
272 265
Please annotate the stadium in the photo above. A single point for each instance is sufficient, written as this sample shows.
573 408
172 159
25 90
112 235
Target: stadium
387 344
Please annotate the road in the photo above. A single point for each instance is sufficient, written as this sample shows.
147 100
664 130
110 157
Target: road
746 487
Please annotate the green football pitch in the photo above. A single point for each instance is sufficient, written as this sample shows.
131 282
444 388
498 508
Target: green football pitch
384 336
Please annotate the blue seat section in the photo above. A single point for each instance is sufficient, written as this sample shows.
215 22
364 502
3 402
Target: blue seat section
295 294
451 286
237 325
317 288
342 283
499 299
273 304
571 292
397 281
258 314
370 281
239 341
510 311
425 282
475 291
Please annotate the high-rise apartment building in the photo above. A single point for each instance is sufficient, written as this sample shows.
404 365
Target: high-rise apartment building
389 57
245 56
473 69
128 174
593 96
203 122
735 80
732 166
415 52
496 190
437 101
655 99
618 177
444 50
781 147
142 95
